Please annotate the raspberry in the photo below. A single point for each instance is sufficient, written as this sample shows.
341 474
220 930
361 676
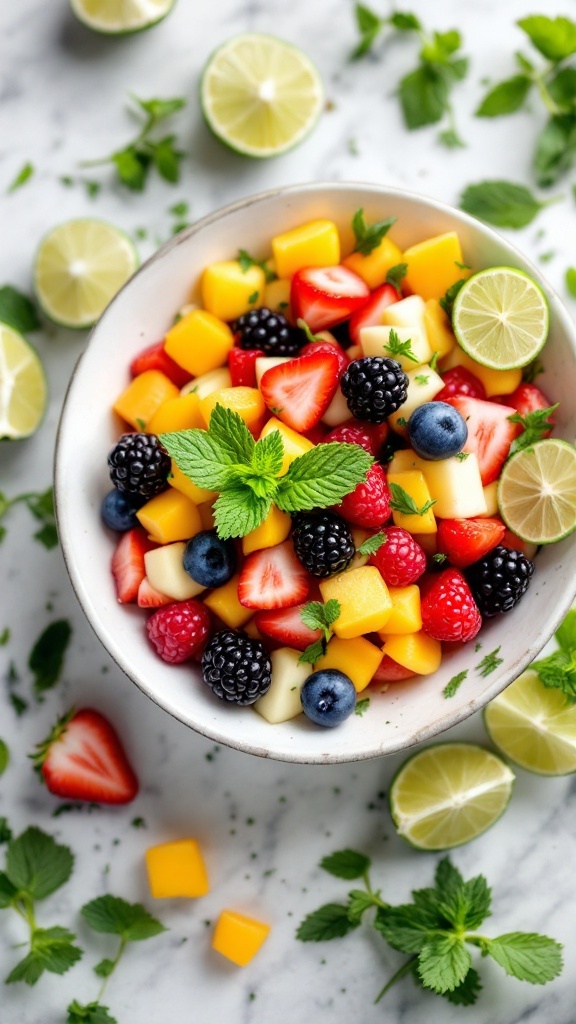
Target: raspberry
178 631
369 503
459 381
400 561
369 436
449 611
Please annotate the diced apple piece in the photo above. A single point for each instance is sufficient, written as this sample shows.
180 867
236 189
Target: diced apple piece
407 312
374 341
282 701
166 574
338 411
213 380
456 486
403 460
491 498
264 363
423 385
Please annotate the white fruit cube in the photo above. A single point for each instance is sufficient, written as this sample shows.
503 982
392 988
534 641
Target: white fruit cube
165 572
359 536
282 700
456 486
375 342
491 498
408 312
338 411
405 459
423 384
264 363
206 383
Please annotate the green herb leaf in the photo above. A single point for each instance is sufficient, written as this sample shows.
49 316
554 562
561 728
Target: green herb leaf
405 22
396 275
159 110
346 864
424 96
562 89
17 310
268 454
4 756
565 635
570 279
46 658
533 370
312 338
462 456
104 968
447 304
558 671
439 557
132 167
52 949
313 652
131 921
36 864
467 992
555 38
555 149
229 429
7 890
330 921
372 544
536 425
24 175
407 927
238 511
404 502
526 956
502 203
444 963
316 615
506 97
422 379
453 684
368 237
5 837
489 663
369 26
399 348
451 139
359 902
434 361
362 706
246 261
322 476
167 158
90 1013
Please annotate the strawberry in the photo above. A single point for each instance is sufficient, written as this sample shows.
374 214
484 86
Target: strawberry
155 357
286 626
370 314
464 541
149 597
389 671
368 505
525 399
449 612
179 631
400 560
273 578
83 759
316 434
490 433
459 381
327 346
370 436
511 540
326 296
242 366
128 563
299 392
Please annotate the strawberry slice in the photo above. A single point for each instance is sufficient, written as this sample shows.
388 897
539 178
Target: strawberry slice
128 567
326 296
464 541
459 381
155 357
490 433
328 346
273 578
286 626
149 597
242 366
527 398
389 671
83 759
299 392
370 315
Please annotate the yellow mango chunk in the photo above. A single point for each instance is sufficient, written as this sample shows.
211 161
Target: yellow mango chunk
225 604
182 413
272 531
176 869
247 402
143 397
412 481
277 296
406 614
403 460
183 483
251 629
496 382
199 342
373 267
438 328
491 499
170 516
417 651
433 265
428 542
315 244
294 444
238 938
206 510
357 658
228 291
365 604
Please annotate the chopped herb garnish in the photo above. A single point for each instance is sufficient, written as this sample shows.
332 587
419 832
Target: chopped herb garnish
368 237
422 379
4 636
489 663
47 656
41 505
399 348
439 557
372 544
316 615
453 684
4 756
362 706
24 175
447 303
536 425
404 503
401 421
246 261
253 298
462 456
434 361
396 275
571 281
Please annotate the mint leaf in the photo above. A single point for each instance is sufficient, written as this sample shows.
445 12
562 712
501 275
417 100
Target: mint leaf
443 963
423 96
90 1013
4 756
24 175
5 835
268 454
36 864
372 544
46 658
489 663
558 671
502 203
405 22
238 511
447 878
359 902
246 261
536 425
566 633
562 88
555 38
362 706
526 956
467 992
313 652
399 348
159 110
322 476
232 434
404 503
113 915
407 928
555 149
201 457
506 97
453 684
52 949
132 167
369 26
316 615
328 922
368 237
7 890
167 158
396 275
346 864
17 310
104 968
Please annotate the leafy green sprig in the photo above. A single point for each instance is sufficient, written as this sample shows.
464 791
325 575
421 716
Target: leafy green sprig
503 203
535 425
369 236
320 616
395 347
558 670
41 506
17 310
246 261
436 930
404 503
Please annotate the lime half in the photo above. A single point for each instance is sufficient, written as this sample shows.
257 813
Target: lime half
119 17
260 95
534 725
79 267
448 794
23 392
537 492
501 318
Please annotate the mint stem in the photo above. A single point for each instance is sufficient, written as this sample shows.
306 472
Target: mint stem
404 969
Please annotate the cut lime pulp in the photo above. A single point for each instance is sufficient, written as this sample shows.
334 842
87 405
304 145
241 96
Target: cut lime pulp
120 17
537 491
23 391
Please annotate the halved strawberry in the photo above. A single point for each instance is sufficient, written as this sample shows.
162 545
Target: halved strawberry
83 759
299 392
155 357
286 626
327 346
149 597
326 296
490 433
464 541
459 381
273 578
370 315
525 399
242 366
128 563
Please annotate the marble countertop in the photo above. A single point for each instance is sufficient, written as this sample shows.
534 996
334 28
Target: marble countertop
263 826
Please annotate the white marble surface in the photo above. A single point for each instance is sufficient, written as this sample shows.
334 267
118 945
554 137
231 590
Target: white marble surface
263 826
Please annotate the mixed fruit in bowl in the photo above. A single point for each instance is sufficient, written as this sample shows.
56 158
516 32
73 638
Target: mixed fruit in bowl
332 470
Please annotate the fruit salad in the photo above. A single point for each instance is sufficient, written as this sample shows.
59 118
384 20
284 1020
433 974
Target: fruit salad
306 490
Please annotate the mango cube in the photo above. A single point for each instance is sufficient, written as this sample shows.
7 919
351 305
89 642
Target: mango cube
206 383
365 604
357 658
277 295
169 516
181 413
294 444
238 938
417 652
374 266
423 386
224 602
176 869
316 244
412 481
247 402
199 342
438 328
406 613
165 572
206 510
433 265
143 397
496 382
272 531
183 483
228 290
282 700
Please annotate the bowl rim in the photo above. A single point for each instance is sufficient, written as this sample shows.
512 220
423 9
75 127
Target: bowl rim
427 731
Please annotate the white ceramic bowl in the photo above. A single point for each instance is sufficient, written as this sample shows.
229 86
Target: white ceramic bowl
140 314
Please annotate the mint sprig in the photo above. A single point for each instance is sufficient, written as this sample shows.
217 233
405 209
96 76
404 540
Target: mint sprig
372 544
558 670
404 503
369 236
399 348
535 425
396 275
246 261
316 615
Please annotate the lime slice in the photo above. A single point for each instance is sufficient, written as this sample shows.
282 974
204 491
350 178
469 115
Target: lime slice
537 492
119 17
501 318
448 794
23 392
260 95
534 725
79 267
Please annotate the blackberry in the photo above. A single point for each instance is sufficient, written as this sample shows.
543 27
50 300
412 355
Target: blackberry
499 580
236 667
374 387
139 465
268 331
323 542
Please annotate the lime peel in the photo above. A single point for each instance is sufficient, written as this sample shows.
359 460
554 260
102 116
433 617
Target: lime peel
23 389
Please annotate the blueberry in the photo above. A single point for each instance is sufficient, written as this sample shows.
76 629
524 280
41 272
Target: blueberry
209 560
328 697
437 431
119 509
